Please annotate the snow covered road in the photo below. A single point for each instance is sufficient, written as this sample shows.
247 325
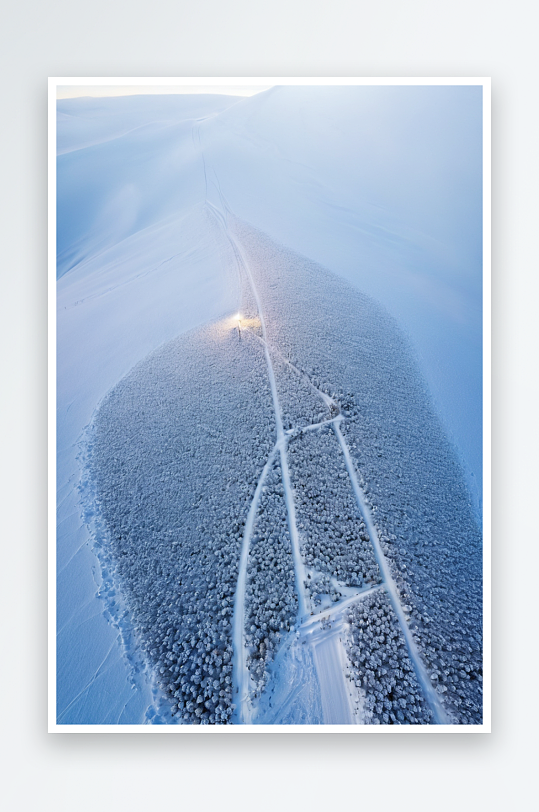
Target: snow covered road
337 707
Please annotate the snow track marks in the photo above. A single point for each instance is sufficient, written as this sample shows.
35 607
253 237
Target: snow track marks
240 671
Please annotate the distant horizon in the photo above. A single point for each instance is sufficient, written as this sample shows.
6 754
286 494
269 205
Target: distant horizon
106 91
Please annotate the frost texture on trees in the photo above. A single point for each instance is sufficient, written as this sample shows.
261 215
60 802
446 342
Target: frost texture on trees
300 404
335 542
178 448
381 666
352 350
271 600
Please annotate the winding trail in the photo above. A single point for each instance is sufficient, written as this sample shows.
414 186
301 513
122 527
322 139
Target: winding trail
240 671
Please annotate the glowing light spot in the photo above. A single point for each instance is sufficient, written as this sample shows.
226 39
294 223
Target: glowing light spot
236 322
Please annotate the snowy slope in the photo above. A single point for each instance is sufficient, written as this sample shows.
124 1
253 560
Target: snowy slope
382 186
89 121
123 165
134 273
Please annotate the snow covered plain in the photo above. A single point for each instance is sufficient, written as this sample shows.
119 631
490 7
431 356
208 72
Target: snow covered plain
285 534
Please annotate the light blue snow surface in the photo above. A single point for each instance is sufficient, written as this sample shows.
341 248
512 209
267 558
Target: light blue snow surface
231 274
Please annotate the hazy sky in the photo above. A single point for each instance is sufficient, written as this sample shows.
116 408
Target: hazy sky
74 91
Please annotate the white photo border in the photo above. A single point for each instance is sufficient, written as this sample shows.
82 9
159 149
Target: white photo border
53 84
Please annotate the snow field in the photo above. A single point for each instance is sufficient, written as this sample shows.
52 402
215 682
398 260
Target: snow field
113 310
88 121
178 449
116 611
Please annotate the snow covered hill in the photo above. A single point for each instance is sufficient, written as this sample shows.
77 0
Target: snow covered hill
384 186
128 283
380 185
